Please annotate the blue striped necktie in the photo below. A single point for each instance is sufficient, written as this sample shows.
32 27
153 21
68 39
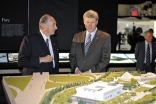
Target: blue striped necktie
88 41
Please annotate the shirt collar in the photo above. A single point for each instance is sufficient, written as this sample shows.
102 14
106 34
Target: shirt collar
147 42
92 33
44 36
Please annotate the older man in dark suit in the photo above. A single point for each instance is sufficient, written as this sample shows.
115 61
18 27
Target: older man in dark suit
145 53
39 51
90 50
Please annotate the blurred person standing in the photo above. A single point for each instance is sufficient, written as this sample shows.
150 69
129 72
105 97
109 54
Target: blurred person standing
154 39
136 37
145 53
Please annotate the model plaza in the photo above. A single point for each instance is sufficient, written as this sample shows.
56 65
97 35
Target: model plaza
99 91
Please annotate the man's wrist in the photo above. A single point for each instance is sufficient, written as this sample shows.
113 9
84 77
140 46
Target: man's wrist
41 59
76 69
90 70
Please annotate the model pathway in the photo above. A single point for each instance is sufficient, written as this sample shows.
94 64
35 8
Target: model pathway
34 91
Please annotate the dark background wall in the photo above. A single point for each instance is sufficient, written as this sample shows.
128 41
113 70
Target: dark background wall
69 17
64 11
68 14
14 23
24 17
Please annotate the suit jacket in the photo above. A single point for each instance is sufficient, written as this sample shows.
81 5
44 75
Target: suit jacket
140 55
32 47
97 57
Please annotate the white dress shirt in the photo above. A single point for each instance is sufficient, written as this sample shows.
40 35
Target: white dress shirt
50 47
92 35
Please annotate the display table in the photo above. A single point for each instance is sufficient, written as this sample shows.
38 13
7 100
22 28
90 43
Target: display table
38 88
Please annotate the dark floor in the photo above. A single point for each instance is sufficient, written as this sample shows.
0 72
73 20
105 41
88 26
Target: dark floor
3 99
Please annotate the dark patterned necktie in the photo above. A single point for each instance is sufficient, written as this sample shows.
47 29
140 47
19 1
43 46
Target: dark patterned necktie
47 43
148 55
88 41
51 51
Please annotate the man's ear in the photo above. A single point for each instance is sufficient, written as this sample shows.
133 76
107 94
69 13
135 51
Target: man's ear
83 21
43 25
96 22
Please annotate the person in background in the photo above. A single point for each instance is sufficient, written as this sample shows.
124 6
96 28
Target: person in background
90 49
39 51
154 39
137 37
145 53
119 39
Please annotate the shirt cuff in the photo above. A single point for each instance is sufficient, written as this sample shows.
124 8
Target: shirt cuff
39 60
90 71
76 69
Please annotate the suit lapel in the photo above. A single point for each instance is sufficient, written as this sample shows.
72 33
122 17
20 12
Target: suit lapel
42 43
144 49
83 36
152 51
94 41
53 43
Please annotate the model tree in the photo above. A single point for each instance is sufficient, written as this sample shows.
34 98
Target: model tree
134 81
154 92
81 102
133 93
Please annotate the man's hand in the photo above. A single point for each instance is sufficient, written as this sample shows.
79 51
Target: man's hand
46 59
87 72
78 71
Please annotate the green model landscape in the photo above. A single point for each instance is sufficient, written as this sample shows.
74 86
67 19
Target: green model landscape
64 87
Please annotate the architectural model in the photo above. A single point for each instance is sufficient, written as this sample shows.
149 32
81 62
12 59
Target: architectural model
99 91
74 88
34 90
144 77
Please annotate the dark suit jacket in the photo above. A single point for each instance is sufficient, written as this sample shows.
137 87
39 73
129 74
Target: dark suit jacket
98 55
140 55
32 47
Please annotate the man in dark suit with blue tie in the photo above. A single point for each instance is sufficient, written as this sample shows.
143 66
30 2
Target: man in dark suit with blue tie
90 50
39 51
145 53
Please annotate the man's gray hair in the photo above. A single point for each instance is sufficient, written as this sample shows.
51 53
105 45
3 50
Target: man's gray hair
91 14
43 20
148 31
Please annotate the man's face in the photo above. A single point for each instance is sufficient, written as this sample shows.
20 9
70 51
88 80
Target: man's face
148 37
90 24
51 26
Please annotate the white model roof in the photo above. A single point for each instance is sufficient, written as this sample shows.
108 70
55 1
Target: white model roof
102 87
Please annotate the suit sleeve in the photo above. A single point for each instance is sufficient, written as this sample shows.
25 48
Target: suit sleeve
136 51
25 58
103 63
57 54
72 56
154 51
